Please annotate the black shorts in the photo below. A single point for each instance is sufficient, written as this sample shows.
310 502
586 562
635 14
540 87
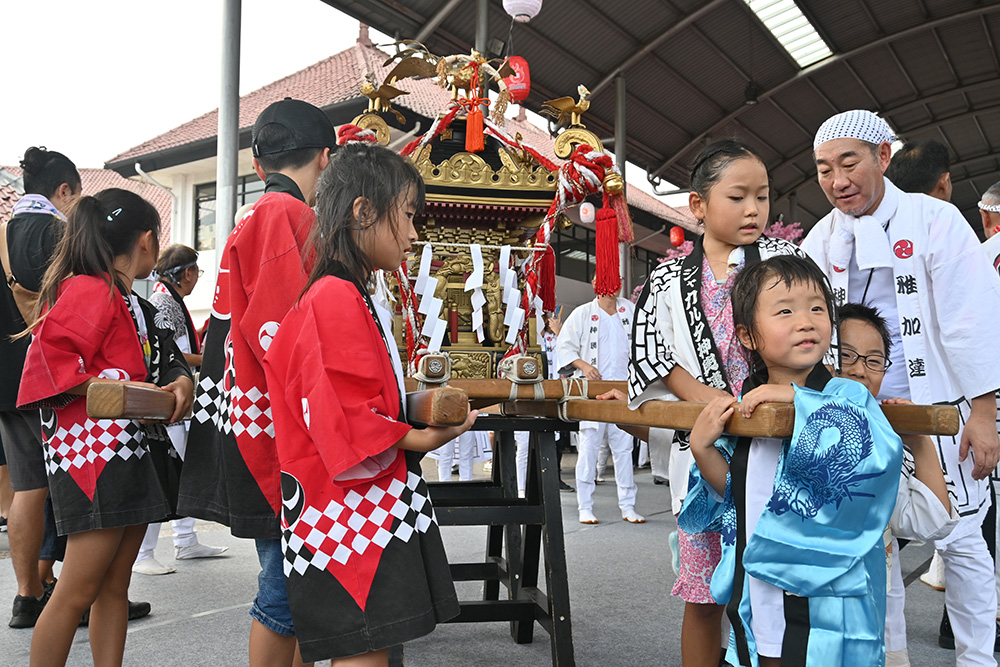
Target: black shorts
21 433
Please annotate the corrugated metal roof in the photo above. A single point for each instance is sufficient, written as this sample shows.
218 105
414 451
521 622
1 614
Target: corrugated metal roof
888 56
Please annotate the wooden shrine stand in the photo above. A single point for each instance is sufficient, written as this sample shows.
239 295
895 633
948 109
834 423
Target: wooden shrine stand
520 531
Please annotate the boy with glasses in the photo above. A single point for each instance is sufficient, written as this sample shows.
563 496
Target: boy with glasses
923 508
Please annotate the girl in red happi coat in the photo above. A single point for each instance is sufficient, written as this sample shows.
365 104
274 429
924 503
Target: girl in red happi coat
104 486
364 563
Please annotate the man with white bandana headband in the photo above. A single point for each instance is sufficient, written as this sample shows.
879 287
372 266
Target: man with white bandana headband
916 260
989 209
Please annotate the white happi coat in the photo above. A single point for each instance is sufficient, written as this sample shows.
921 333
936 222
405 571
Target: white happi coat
992 248
948 301
579 336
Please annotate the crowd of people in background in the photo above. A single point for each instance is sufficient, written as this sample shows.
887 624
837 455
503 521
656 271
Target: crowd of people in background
786 550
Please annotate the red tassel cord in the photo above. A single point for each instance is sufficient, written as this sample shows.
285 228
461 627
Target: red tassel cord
547 280
620 204
474 140
608 281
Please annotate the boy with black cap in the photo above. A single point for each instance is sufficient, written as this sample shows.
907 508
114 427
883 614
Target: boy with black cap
231 473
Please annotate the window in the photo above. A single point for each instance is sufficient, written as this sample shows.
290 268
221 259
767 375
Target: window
643 264
792 30
248 190
574 248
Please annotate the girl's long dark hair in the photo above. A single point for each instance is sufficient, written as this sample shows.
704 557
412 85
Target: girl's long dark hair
787 269
378 175
99 229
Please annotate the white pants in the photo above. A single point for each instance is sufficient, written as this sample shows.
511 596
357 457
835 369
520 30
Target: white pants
895 622
184 535
603 454
521 438
659 452
970 594
466 453
592 434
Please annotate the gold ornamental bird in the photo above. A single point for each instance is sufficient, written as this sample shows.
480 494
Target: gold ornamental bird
566 110
380 96
414 66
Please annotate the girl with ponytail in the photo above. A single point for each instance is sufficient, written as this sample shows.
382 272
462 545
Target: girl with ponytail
90 327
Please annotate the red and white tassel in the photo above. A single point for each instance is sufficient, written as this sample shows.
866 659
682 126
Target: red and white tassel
607 280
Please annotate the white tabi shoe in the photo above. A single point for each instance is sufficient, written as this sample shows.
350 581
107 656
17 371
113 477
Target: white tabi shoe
151 566
587 516
632 517
934 576
198 551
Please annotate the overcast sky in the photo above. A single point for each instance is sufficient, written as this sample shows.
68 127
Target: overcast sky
92 79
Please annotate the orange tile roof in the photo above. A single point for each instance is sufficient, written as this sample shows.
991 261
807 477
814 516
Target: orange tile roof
332 80
337 79
93 181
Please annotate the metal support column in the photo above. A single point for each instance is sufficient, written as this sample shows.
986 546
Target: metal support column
482 25
435 21
227 153
624 250
793 207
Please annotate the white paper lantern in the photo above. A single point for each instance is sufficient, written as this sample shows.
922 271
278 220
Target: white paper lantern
522 10
587 212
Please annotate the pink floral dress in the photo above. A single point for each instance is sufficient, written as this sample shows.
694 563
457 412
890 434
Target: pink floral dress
700 553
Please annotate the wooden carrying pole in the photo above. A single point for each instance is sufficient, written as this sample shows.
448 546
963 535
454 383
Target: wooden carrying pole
445 406
768 420
128 400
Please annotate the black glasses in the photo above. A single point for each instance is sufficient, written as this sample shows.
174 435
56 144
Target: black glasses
873 362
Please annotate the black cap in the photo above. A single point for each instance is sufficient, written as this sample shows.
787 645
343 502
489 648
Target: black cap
306 127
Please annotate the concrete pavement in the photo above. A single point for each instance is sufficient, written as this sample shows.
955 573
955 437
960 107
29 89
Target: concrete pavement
619 577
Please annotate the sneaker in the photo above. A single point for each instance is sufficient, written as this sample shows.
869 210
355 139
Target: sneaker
49 586
135 610
198 551
563 486
152 567
26 610
934 576
633 517
599 479
587 516
3 524
675 552
660 480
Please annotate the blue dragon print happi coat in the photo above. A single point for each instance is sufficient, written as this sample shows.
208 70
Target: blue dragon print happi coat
819 537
